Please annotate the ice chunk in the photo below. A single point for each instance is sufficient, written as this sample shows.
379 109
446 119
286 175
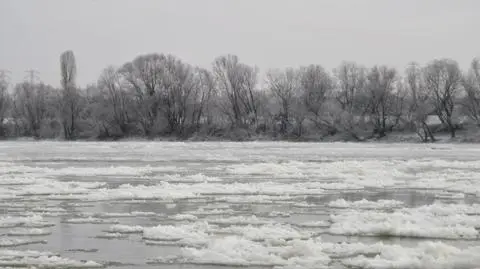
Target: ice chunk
365 204
239 220
170 205
111 235
50 186
187 234
13 242
314 224
237 251
23 253
32 220
126 229
49 210
346 250
143 214
119 215
181 217
266 232
206 212
91 220
191 178
254 199
435 255
431 221
29 232
274 169
47 262
232 251
274 214
172 191
450 195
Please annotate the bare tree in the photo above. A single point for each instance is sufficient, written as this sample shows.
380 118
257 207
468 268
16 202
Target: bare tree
177 87
384 99
203 94
70 97
5 103
285 87
471 84
237 81
443 79
419 102
33 106
317 86
144 76
117 99
351 80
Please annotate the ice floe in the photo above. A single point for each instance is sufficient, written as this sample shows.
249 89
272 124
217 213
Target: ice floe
365 204
32 220
111 235
90 220
313 253
447 221
434 255
14 242
239 220
314 224
29 232
237 251
183 217
290 169
190 178
46 262
186 234
275 231
119 228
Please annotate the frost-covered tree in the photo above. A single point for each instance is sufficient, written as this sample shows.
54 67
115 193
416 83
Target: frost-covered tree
5 104
384 100
471 84
236 83
116 99
143 76
443 79
350 82
317 88
284 85
33 106
419 103
178 85
203 98
70 96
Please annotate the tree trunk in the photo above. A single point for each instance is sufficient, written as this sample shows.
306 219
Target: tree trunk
452 131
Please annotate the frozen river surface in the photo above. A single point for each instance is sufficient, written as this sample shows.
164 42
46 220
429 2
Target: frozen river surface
256 205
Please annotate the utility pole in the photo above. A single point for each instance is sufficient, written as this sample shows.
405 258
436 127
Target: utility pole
32 75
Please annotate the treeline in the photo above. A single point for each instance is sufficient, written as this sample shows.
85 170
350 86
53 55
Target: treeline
158 95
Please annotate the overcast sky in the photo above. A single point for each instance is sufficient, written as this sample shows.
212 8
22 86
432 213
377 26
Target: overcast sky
267 33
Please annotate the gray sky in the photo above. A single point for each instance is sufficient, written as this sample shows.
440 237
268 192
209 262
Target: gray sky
268 33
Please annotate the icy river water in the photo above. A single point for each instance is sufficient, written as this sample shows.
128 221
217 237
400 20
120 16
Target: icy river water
255 205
